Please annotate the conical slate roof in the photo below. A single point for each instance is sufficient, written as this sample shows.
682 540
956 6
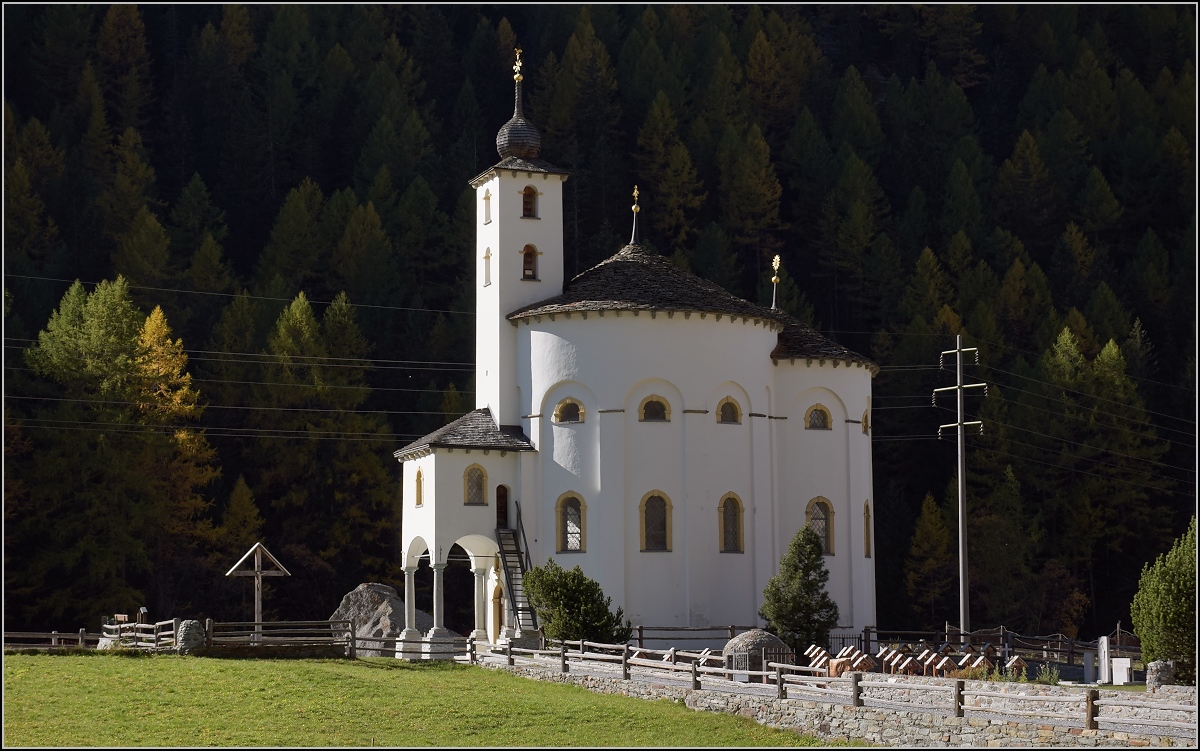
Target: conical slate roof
639 279
474 430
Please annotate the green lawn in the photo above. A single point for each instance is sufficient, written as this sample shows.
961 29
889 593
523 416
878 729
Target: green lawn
95 700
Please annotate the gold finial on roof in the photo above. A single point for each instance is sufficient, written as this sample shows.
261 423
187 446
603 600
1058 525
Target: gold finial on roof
635 200
517 67
775 264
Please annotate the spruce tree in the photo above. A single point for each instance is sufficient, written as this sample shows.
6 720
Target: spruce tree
1164 608
929 568
796 605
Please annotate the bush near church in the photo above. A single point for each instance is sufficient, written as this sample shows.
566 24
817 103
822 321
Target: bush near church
1164 608
795 602
572 606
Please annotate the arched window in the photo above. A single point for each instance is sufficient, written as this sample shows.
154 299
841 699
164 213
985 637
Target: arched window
568 410
487 267
487 207
420 499
529 198
866 422
654 408
728 412
866 529
529 262
572 516
730 523
475 486
656 522
817 418
819 517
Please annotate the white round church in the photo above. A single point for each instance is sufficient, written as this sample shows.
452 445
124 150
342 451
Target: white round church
638 421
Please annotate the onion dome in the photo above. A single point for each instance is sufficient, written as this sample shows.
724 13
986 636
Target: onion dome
517 137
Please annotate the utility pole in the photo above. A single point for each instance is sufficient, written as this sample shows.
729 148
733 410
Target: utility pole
964 614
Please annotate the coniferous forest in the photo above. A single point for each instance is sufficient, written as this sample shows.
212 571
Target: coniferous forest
267 212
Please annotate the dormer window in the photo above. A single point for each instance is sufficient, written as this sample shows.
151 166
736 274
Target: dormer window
529 263
529 198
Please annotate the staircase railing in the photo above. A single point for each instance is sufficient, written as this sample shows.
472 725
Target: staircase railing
524 542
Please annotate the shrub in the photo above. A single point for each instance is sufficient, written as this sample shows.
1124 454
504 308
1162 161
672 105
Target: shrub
1047 674
1164 608
572 606
970 674
795 602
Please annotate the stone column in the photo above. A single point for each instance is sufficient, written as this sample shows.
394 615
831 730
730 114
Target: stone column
410 605
480 633
439 630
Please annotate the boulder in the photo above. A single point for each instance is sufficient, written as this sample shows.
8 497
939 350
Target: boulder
191 635
377 611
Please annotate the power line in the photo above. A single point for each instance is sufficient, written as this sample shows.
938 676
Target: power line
1090 396
147 430
1085 445
225 406
1148 472
292 432
1093 474
252 297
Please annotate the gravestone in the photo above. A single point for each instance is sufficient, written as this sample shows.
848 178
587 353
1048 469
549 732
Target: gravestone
1105 660
1122 672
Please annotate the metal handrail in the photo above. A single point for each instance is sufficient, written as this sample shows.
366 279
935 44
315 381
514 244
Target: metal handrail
524 541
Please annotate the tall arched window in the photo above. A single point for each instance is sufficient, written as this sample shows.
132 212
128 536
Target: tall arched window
866 529
572 517
819 517
420 495
529 262
728 412
730 523
487 207
656 522
817 418
475 486
529 198
654 408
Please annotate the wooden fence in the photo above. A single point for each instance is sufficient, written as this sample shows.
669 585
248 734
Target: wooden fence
642 634
798 682
141 635
51 640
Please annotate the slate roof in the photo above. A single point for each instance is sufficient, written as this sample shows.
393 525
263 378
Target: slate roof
638 279
520 165
474 430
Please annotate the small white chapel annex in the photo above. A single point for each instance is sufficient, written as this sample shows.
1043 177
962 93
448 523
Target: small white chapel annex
638 421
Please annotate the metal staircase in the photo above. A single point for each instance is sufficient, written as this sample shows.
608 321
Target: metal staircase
514 556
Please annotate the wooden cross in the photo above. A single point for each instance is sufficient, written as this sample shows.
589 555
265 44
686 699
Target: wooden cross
259 550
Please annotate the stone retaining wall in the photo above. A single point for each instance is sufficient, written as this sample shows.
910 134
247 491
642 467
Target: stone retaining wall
890 727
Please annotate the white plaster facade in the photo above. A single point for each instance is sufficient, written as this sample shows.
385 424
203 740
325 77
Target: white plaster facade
609 361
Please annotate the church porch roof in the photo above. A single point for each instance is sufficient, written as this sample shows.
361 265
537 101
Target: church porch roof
475 430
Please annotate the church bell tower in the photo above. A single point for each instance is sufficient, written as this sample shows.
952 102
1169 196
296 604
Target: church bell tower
518 253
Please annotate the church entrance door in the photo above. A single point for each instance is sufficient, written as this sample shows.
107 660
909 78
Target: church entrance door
502 507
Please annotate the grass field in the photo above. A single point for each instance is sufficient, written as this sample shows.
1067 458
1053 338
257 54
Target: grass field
95 700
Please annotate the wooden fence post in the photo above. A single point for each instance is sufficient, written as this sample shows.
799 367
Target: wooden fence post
175 634
562 653
471 651
855 689
1089 722
780 689
640 644
156 636
208 632
353 647
625 663
508 656
582 647
695 678
82 637
54 638
731 632
1070 651
957 698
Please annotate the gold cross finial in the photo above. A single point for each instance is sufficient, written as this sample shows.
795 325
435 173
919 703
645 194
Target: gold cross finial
775 266
517 68
635 200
